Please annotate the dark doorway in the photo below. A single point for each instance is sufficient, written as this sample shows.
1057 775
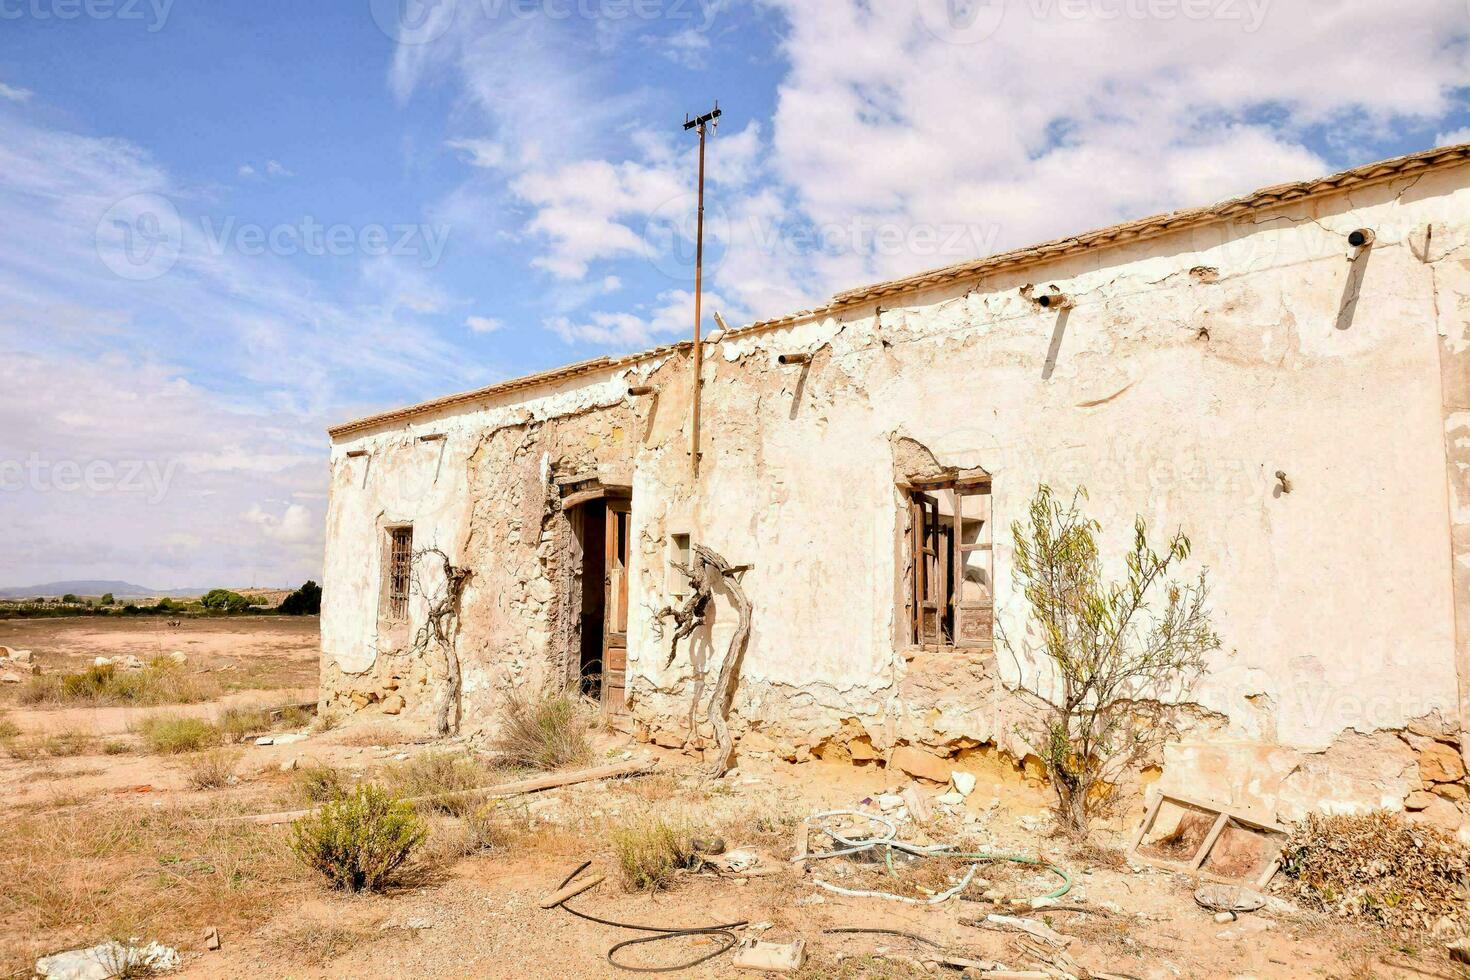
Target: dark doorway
591 524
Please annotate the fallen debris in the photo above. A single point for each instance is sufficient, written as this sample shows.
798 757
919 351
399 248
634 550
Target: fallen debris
211 938
1031 927
110 959
756 954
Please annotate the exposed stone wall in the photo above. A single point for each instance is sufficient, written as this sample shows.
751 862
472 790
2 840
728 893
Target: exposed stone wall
1191 370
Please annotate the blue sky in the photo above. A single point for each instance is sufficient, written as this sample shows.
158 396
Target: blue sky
230 225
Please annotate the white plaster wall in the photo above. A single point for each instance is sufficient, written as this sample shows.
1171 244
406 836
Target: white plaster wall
1174 395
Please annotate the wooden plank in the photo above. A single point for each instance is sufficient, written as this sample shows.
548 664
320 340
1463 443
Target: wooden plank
1148 821
1209 841
570 891
518 788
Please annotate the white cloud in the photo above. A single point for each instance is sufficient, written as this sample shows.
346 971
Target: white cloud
483 324
687 47
12 93
274 168
1453 138
671 315
486 154
294 526
246 171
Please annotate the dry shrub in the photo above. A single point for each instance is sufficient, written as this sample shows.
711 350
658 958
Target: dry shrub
68 877
361 841
546 731
1378 867
650 848
435 773
56 745
317 782
214 769
173 734
489 827
8 728
317 944
374 736
239 722
161 681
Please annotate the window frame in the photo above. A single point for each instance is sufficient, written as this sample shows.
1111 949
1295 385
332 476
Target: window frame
397 570
957 623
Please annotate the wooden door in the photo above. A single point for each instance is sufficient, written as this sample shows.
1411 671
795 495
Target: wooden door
615 614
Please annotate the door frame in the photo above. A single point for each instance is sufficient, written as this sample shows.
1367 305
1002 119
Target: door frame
618 498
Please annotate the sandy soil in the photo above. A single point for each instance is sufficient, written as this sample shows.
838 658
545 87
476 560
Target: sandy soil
479 915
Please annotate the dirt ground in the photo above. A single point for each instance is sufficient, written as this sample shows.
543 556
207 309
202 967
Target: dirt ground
120 845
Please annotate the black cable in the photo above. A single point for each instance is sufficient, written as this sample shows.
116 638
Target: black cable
721 931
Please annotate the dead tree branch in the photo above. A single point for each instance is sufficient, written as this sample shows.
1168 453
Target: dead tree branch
440 626
708 570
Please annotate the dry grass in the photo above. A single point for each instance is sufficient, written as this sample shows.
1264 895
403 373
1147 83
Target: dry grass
649 848
489 827
544 732
8 728
55 745
1377 867
317 782
214 769
172 734
161 681
316 944
374 736
74 877
239 722
440 772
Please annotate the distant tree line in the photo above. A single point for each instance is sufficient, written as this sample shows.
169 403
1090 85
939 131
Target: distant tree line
305 601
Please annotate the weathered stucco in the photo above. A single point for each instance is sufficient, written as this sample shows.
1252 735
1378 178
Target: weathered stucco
1191 369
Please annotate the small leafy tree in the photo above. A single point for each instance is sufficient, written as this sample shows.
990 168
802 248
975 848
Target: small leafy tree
305 601
1120 651
107 599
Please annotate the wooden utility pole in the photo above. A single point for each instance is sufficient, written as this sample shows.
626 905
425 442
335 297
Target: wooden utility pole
699 124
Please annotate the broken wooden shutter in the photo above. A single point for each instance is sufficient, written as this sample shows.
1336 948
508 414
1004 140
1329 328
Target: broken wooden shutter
973 590
929 564
615 636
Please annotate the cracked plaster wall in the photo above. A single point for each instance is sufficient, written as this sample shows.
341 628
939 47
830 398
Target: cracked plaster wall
1192 368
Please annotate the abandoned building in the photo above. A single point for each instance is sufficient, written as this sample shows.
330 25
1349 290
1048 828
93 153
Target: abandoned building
1286 376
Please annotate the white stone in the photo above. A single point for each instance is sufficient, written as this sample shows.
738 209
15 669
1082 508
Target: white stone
952 798
108 960
964 782
889 801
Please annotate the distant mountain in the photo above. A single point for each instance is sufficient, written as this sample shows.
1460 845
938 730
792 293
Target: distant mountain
96 587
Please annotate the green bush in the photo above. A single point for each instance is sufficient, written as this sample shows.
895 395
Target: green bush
359 841
318 782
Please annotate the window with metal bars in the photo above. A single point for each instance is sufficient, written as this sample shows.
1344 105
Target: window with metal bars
399 571
950 594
